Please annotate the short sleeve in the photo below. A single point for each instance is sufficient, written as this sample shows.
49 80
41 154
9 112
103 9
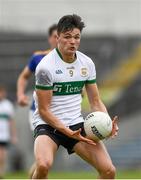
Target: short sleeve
43 79
92 73
32 63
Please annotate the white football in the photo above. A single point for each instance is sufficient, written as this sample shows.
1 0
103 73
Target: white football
98 125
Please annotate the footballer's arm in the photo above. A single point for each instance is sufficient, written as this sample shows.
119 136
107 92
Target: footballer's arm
44 101
97 104
94 98
21 86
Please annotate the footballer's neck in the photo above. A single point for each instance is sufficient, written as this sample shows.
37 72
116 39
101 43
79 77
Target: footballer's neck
68 58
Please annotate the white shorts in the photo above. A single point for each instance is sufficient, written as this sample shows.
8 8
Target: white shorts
31 119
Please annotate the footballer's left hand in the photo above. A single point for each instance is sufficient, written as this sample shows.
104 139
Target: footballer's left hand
115 127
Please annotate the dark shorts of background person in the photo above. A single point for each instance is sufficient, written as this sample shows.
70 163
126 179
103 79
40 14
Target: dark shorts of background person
4 143
58 137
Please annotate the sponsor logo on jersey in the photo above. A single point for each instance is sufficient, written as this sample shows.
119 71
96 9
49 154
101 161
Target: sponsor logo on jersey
59 71
66 88
84 72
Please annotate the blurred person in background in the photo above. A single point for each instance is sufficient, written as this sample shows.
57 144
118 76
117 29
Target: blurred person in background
7 128
29 70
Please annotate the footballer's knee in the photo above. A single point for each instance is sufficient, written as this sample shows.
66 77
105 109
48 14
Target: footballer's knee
111 171
108 172
43 166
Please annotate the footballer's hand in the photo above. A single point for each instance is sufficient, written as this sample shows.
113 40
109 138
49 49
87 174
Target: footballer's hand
115 128
76 135
23 100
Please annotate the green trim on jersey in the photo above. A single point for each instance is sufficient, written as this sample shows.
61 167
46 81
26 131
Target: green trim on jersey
68 88
4 116
43 87
60 55
91 81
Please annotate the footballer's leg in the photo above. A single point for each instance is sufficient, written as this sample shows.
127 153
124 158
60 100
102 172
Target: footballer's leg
98 157
3 155
44 149
31 170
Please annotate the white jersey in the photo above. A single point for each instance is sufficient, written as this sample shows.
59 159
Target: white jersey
6 114
66 80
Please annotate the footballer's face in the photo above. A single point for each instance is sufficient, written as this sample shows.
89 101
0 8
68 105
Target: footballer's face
69 41
2 94
52 39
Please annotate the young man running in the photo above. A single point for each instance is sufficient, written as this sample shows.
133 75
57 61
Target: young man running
60 77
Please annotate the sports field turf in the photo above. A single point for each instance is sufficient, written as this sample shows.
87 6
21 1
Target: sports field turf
130 174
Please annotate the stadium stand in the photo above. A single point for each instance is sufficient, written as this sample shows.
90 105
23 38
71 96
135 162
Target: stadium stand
123 82
125 151
130 100
16 49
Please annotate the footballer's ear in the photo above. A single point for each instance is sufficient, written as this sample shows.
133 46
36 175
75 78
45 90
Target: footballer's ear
58 34
57 37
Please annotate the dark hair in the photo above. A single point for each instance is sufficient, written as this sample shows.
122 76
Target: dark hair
69 22
51 29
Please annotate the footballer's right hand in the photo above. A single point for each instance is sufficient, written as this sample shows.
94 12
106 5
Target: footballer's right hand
23 100
115 127
76 135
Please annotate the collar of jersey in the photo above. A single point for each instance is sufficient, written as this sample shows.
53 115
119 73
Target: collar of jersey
60 55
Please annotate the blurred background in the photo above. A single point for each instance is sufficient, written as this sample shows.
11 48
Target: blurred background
112 38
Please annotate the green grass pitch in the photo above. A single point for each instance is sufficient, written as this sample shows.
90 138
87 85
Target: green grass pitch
128 174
